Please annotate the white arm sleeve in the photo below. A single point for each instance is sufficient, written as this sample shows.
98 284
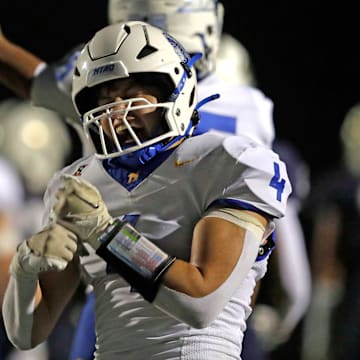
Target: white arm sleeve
200 312
19 304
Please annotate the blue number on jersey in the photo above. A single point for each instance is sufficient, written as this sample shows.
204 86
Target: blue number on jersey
276 182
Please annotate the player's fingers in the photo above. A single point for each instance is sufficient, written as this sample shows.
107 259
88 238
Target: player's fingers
61 197
81 187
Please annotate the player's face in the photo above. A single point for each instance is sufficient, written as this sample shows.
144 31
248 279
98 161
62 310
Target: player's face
145 122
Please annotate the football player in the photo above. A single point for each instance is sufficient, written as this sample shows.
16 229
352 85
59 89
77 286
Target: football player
172 231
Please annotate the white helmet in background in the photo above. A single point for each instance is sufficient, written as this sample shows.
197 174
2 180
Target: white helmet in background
350 138
234 67
138 50
234 62
35 140
196 24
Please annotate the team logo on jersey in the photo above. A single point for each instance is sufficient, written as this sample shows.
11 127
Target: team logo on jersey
133 177
179 163
79 170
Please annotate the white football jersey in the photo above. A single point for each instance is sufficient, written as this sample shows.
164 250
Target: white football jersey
164 204
242 110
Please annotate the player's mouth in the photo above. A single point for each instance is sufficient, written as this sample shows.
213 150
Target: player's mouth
120 126
123 132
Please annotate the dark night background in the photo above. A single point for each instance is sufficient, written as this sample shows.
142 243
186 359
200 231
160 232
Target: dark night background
304 55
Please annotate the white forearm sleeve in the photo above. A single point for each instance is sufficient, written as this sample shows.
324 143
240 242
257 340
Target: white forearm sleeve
200 312
18 305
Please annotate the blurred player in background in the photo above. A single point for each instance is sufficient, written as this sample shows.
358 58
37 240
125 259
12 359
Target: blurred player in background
11 199
332 326
12 203
280 308
35 141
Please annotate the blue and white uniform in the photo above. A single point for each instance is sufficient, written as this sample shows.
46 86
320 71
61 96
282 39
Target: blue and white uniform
239 110
164 201
242 110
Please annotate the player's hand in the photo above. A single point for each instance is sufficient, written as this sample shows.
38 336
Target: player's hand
80 209
50 249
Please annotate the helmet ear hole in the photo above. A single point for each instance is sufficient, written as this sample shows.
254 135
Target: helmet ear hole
145 51
76 71
192 97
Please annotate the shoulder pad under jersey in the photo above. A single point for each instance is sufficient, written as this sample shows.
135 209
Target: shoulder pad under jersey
266 175
199 146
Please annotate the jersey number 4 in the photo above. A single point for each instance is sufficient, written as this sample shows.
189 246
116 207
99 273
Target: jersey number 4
276 182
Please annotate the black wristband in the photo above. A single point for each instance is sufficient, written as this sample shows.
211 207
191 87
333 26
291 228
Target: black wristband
145 282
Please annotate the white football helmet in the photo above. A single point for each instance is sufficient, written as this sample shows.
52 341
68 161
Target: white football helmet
35 140
234 64
140 50
197 24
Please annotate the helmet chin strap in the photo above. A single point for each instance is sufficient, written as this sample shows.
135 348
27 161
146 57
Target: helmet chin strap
151 151
148 153
206 100
134 160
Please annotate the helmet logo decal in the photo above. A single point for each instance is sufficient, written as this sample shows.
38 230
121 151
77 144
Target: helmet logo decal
103 69
180 51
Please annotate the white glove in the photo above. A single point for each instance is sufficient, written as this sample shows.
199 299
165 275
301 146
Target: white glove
50 249
80 209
